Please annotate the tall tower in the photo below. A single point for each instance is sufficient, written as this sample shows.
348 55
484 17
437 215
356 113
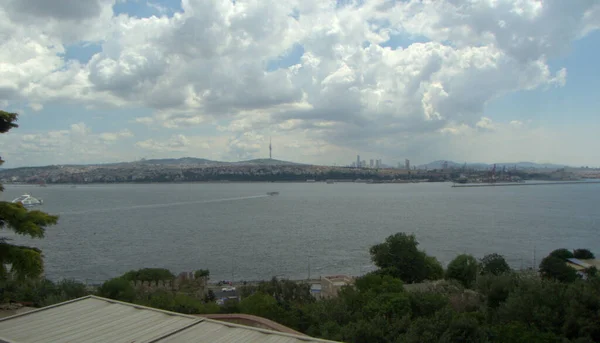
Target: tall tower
357 161
270 149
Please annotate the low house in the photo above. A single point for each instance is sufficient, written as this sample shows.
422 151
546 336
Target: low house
331 285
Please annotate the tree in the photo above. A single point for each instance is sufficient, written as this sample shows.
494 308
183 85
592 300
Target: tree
464 269
24 261
562 254
287 291
399 257
583 254
201 273
555 268
493 264
435 271
149 274
118 289
262 305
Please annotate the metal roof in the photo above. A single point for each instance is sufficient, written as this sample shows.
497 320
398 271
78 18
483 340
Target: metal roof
579 262
95 319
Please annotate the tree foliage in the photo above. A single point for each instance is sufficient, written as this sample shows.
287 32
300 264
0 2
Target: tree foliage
399 256
583 254
118 289
201 273
562 254
463 269
493 264
555 268
149 274
20 261
40 292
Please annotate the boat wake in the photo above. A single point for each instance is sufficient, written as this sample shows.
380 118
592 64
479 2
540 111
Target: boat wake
172 204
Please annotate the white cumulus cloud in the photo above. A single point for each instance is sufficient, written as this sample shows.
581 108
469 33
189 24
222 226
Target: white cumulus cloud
388 77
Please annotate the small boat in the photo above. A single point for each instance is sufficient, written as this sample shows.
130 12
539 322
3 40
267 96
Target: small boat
272 193
27 200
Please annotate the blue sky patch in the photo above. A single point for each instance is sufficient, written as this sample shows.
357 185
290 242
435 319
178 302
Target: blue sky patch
147 8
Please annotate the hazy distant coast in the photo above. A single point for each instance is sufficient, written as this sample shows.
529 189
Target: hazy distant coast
271 170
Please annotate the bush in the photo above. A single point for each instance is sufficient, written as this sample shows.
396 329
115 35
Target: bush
464 269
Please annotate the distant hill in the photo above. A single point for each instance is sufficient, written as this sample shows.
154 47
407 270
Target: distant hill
268 162
188 161
520 165
177 161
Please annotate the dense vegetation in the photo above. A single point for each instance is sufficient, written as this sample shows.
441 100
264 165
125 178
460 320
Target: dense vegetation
471 301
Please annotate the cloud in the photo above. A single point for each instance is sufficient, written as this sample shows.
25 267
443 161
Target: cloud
77 144
374 76
60 10
175 143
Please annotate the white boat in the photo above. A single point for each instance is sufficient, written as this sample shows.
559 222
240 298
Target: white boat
27 200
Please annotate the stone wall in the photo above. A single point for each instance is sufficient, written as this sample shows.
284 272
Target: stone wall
184 282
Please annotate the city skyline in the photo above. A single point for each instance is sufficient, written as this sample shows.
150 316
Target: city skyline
305 81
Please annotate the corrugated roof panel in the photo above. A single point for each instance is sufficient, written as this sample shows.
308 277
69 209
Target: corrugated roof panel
210 331
92 320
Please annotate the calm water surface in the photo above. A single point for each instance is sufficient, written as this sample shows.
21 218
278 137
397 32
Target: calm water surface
238 232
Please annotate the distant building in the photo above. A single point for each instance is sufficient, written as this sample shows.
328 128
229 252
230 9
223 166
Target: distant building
331 285
407 164
358 161
371 163
378 163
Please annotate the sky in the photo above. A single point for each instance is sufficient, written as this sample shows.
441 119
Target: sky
97 81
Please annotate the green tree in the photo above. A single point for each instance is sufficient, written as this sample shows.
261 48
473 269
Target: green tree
562 254
118 289
287 291
399 257
201 273
496 288
17 260
434 268
538 303
583 254
149 274
493 264
262 305
516 332
463 269
555 268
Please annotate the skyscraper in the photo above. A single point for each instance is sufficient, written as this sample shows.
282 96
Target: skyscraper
270 149
371 163
357 161
407 164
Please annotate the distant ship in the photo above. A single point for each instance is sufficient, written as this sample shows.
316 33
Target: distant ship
28 201
272 193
